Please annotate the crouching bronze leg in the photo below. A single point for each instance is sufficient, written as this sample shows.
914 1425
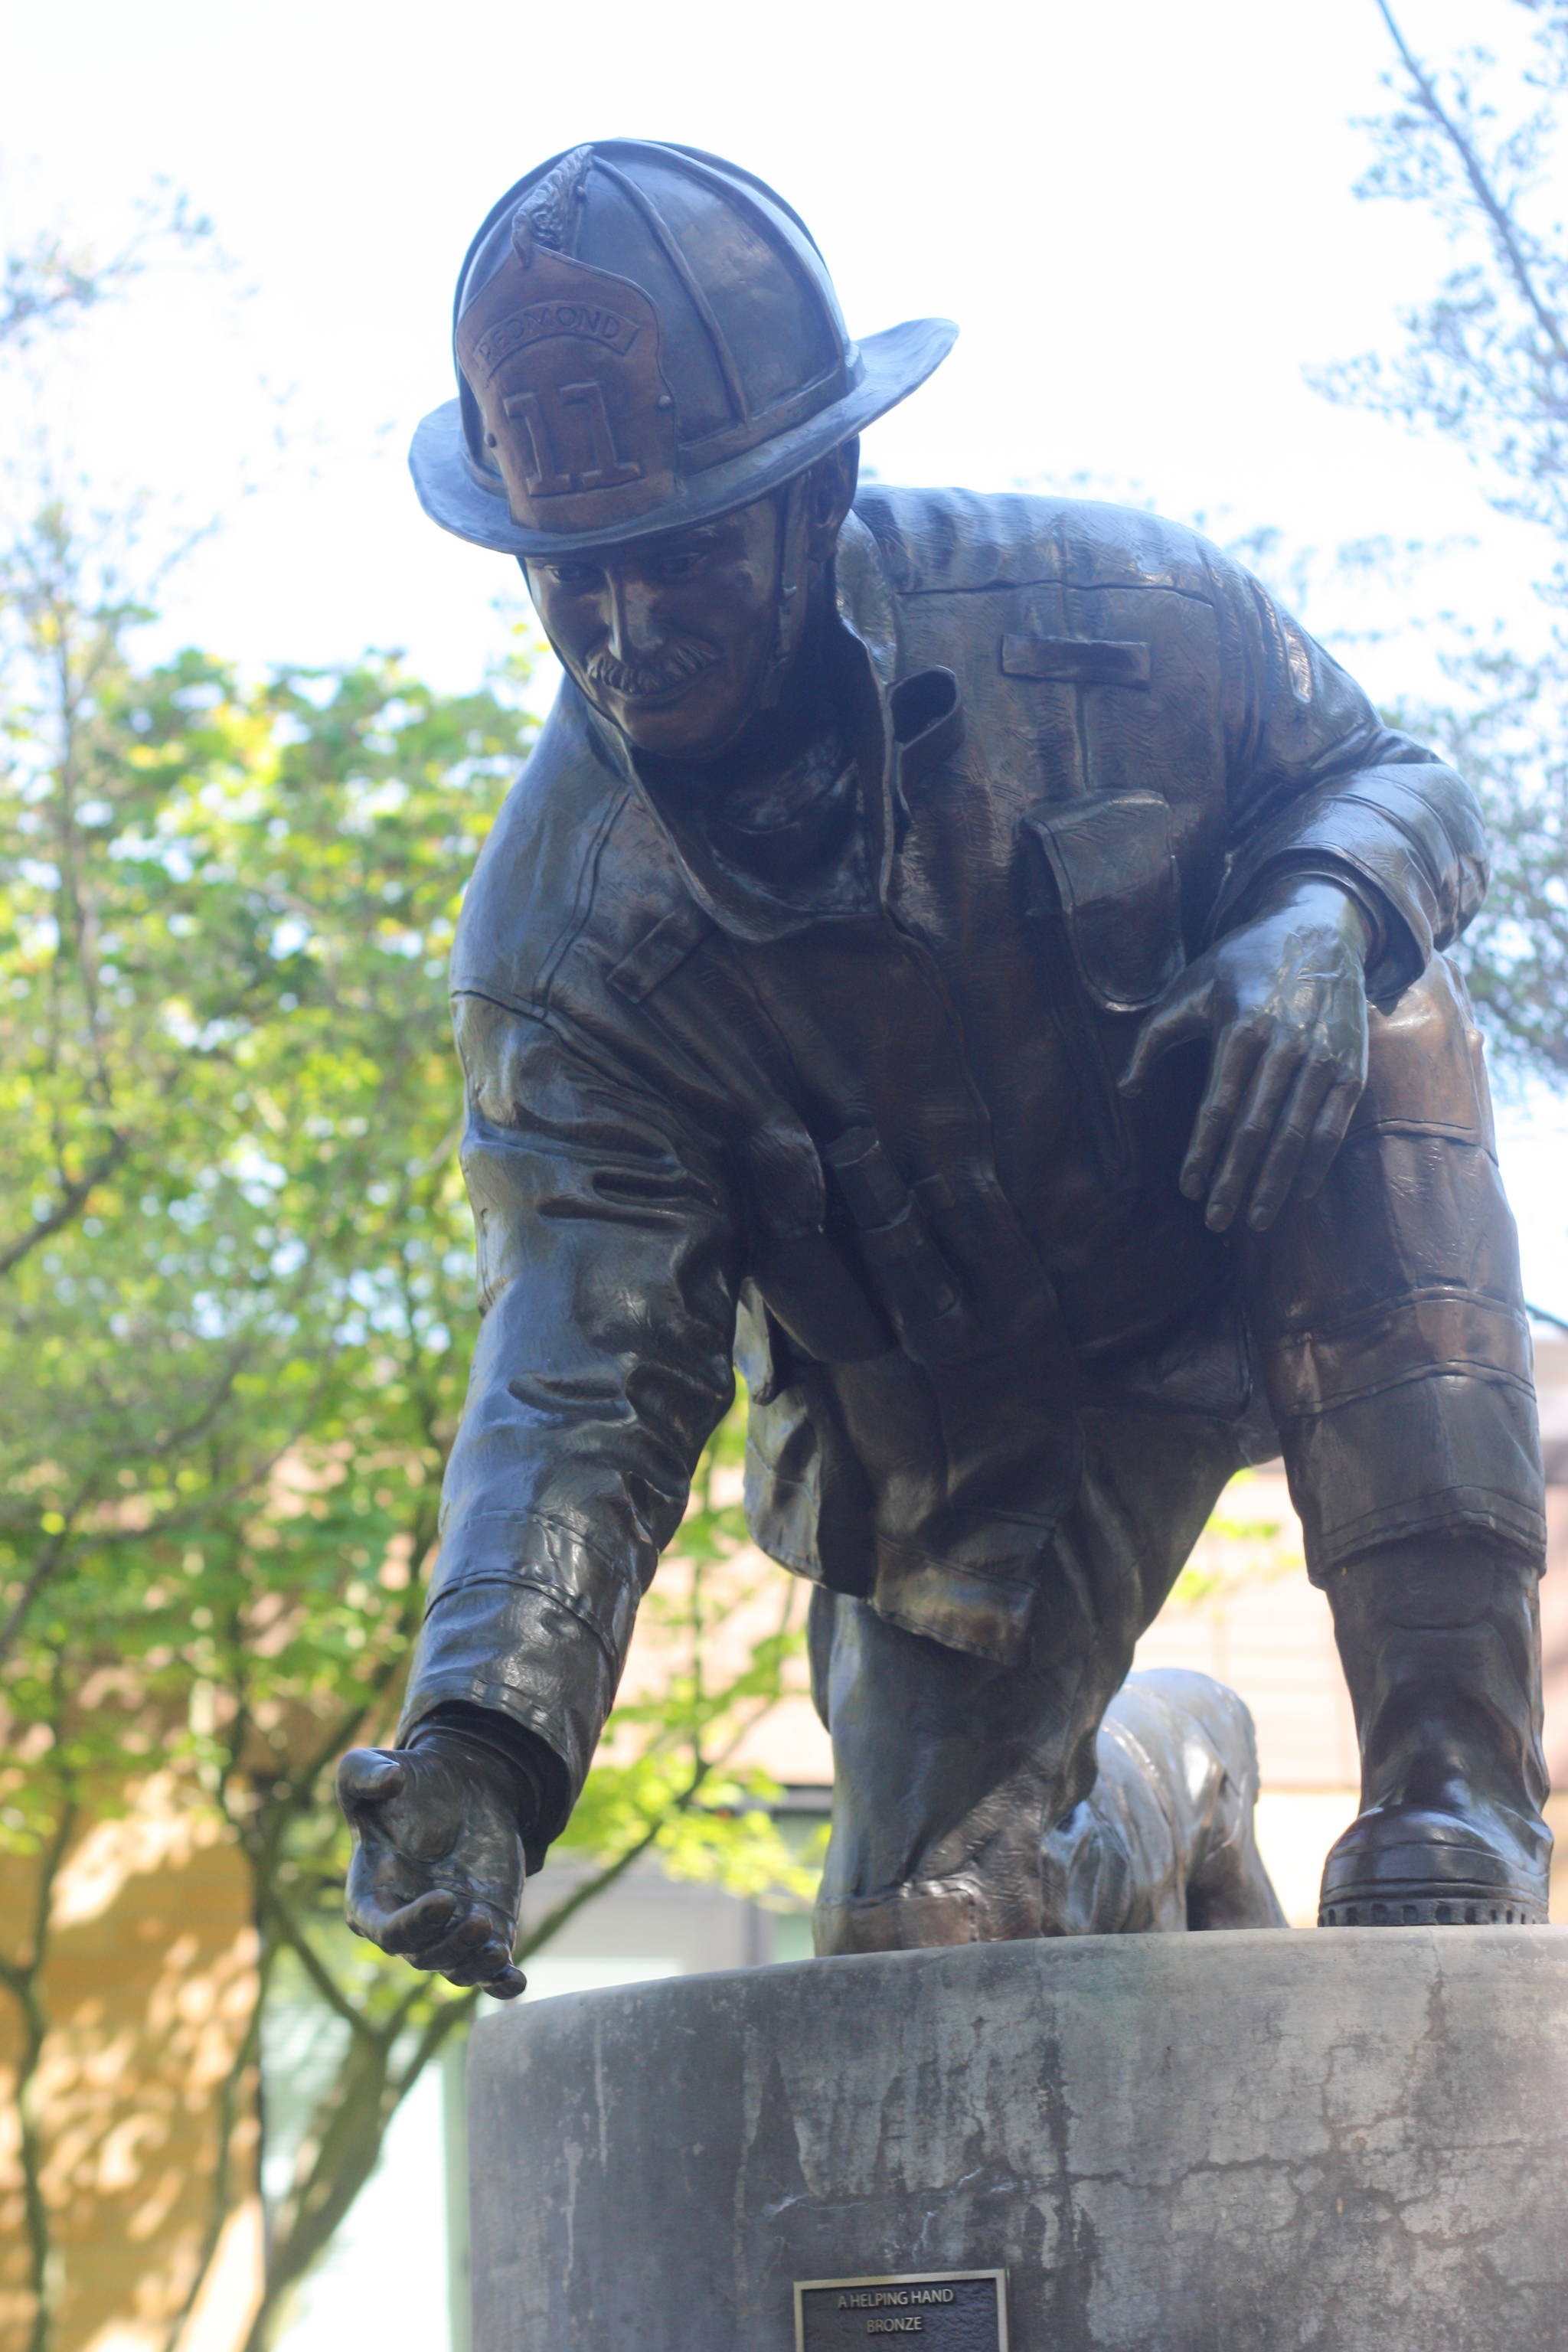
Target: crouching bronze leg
975 1802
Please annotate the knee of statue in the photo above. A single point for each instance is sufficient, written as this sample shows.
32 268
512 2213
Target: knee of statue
1425 1060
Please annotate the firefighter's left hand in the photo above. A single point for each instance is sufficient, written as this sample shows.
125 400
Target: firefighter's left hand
1282 1003
437 1869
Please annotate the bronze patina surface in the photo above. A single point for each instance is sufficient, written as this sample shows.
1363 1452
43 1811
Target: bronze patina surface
976 963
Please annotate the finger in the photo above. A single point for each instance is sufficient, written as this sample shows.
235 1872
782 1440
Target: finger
390 1929
470 1946
414 1927
1327 1136
481 1968
1235 1057
1175 1021
506 1985
1250 1131
367 1776
466 1941
1277 1170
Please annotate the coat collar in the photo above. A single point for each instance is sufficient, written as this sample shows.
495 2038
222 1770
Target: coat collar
896 720
922 709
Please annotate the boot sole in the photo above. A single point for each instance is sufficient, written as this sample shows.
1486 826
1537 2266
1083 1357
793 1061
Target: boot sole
1458 1908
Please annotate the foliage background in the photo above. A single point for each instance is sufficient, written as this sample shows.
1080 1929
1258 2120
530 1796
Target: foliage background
236 1270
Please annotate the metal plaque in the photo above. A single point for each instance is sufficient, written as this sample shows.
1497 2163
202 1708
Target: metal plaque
940 2311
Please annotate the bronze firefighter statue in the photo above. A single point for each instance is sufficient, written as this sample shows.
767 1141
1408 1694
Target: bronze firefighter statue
975 964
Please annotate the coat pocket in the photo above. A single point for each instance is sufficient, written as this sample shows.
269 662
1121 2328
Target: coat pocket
1113 874
816 1309
1105 900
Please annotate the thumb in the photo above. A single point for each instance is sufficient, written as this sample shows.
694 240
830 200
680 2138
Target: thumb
366 1776
1181 1015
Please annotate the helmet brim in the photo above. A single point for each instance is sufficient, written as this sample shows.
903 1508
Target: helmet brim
893 365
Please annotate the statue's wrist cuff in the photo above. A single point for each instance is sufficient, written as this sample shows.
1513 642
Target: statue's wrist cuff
483 1732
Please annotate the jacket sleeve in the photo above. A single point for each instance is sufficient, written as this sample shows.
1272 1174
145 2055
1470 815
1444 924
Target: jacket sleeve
606 1293
1318 783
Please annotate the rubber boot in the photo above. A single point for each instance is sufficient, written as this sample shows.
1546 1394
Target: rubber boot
1165 1839
1441 1647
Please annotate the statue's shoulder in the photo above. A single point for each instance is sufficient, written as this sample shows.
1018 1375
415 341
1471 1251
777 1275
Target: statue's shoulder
932 541
539 874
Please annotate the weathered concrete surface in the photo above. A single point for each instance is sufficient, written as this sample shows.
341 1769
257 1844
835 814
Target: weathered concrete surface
1345 2141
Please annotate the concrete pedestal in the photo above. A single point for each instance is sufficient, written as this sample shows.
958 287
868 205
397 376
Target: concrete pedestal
1345 2141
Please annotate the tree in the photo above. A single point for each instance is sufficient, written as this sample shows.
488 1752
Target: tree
1485 362
1505 733
236 1276
52 281
1486 358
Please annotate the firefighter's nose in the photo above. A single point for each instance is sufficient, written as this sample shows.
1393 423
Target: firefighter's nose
634 631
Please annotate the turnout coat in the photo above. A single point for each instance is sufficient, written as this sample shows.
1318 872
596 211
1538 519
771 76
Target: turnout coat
876 1151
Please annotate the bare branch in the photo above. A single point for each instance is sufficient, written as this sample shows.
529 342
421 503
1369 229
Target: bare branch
44 1569
74 1194
221 2191
443 2022
24 1979
1481 187
277 1915
48 286
592 1888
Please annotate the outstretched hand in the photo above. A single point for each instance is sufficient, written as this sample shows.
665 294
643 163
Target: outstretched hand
1282 1003
438 1872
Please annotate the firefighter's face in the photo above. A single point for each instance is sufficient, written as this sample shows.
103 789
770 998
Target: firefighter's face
671 638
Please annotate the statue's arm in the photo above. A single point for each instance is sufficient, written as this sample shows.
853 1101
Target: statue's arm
1354 854
1318 784
607 1275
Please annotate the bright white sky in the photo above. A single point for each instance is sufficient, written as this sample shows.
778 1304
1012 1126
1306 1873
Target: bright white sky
1139 211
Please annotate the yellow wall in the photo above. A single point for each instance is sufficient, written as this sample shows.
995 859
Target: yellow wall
149 1986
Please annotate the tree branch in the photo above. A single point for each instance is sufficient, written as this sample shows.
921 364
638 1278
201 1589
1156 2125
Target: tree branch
570 1904
23 1979
328 2179
1481 186
276 1914
442 2022
44 1568
222 2196
75 1192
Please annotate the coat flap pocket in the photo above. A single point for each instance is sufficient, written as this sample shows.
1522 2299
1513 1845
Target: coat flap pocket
1115 875
660 953
1077 661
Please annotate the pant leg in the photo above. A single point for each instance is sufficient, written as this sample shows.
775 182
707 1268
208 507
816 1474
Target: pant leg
1388 1311
950 1770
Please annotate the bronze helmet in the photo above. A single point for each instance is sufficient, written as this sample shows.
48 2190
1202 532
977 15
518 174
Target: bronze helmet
646 337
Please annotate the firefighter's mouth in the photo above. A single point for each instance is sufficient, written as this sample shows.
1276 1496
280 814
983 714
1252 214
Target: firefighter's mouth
661 681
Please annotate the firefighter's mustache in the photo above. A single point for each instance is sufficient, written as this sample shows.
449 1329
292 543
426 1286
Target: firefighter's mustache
675 666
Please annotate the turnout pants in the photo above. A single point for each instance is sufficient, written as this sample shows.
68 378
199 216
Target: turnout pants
1386 1322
